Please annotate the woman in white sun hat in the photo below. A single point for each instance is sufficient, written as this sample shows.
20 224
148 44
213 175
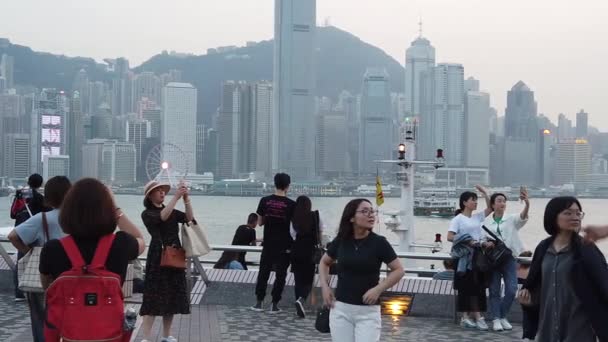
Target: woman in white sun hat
165 291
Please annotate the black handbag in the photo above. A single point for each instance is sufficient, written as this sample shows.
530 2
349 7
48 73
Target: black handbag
500 253
322 321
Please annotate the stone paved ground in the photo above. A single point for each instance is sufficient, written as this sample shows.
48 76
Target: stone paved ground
242 324
14 318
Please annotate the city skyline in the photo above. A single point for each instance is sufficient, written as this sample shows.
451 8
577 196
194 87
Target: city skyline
524 51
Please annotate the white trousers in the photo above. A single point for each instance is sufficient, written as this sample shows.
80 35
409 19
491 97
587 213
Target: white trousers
355 323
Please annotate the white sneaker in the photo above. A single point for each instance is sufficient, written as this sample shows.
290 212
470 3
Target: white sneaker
496 326
505 324
481 324
468 323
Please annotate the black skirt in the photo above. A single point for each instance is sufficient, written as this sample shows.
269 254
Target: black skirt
471 290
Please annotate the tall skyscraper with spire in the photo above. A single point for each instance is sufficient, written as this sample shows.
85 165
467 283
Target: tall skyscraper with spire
294 88
419 61
419 88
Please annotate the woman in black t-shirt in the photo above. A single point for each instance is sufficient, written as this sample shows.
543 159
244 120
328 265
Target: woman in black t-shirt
355 313
88 213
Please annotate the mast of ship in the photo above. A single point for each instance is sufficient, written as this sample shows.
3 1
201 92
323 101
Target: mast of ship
402 222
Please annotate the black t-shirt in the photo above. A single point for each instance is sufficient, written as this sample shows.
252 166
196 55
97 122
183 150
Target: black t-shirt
277 212
54 260
359 264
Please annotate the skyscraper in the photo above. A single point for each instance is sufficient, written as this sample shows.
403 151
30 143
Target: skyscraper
110 161
55 166
347 103
376 122
146 85
520 114
138 132
331 140
81 84
122 83
294 87
16 155
477 129
7 70
582 124
448 115
178 124
572 162
564 128
263 137
49 126
419 61
76 135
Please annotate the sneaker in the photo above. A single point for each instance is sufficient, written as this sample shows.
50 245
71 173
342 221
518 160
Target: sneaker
468 323
168 339
257 307
274 309
19 299
496 326
481 324
300 308
505 324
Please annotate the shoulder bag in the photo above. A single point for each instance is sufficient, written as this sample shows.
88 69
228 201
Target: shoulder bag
28 265
322 320
500 253
194 239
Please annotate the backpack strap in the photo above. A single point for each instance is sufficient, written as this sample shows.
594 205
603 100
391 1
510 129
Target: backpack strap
71 249
102 251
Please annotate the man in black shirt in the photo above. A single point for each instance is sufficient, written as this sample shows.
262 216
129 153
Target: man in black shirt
275 212
245 236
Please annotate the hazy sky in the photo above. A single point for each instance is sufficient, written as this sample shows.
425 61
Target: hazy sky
558 47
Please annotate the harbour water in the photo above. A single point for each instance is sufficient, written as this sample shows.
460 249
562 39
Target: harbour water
222 215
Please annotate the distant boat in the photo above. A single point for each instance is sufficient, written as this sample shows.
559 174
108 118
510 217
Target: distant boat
434 204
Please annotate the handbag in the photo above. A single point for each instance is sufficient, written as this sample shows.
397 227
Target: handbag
173 257
322 321
318 251
500 253
27 266
194 239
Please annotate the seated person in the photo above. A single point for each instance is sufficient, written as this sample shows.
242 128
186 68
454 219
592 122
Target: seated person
448 273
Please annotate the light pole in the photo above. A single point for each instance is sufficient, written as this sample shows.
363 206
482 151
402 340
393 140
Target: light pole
402 222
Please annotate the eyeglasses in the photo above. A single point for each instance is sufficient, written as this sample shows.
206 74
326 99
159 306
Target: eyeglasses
569 213
368 212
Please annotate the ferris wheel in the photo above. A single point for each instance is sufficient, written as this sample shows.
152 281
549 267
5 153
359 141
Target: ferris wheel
167 163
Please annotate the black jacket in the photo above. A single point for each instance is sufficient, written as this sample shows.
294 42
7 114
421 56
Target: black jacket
589 278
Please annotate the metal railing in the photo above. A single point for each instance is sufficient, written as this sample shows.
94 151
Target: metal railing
258 249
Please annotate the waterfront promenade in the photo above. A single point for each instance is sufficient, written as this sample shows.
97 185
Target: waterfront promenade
238 323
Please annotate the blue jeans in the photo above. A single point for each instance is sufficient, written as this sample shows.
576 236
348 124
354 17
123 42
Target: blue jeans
507 271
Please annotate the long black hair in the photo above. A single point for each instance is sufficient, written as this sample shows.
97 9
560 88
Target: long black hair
346 229
465 196
302 215
226 258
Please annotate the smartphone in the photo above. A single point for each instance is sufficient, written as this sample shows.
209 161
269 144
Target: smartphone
522 191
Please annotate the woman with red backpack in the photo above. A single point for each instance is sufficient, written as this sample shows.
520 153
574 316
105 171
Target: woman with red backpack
83 272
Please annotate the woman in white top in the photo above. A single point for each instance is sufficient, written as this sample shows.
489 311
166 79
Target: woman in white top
505 227
471 295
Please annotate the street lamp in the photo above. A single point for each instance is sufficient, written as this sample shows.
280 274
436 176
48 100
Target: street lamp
401 151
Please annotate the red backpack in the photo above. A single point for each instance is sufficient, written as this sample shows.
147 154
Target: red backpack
85 303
